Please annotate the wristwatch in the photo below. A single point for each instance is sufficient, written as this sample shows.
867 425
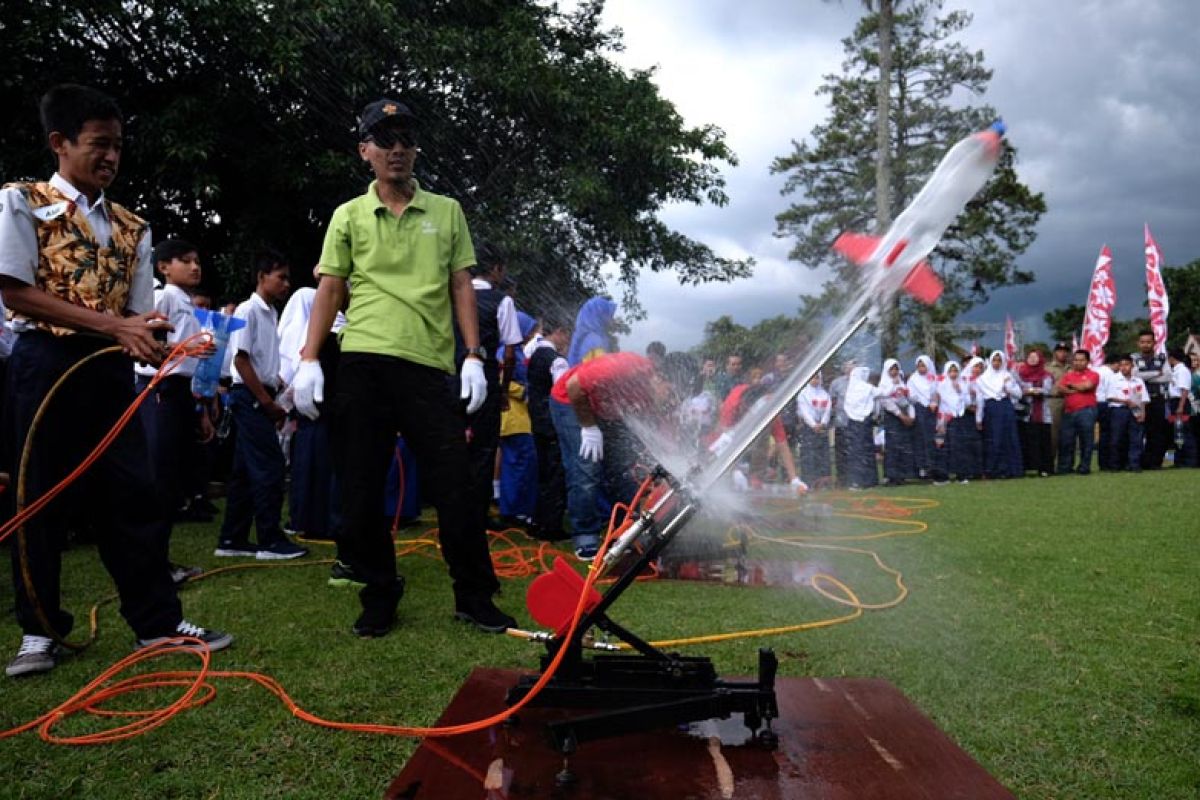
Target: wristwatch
478 352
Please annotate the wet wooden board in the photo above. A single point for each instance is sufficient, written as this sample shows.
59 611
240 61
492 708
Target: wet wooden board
839 738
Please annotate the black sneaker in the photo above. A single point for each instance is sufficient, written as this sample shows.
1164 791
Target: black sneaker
379 613
38 654
235 550
483 614
216 640
181 574
282 550
342 574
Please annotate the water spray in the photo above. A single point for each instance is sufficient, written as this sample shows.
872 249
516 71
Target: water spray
655 688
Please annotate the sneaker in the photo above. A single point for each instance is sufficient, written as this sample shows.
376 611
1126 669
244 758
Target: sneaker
282 550
235 550
37 654
216 640
965 481
941 483
483 614
181 574
587 553
342 574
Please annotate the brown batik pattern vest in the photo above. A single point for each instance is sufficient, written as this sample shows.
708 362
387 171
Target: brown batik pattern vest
72 265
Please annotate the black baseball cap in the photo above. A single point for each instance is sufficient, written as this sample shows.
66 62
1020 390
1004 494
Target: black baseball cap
381 111
1061 346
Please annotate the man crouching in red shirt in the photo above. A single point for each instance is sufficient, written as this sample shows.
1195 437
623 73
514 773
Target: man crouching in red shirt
588 407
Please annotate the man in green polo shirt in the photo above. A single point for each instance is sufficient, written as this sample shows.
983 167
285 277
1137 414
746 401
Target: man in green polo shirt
403 254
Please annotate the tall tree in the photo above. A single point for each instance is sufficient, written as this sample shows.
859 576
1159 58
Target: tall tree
836 170
240 124
1183 289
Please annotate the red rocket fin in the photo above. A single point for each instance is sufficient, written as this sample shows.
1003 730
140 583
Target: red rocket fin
857 247
923 283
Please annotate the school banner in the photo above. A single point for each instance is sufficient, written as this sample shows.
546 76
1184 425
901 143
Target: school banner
1156 294
1102 297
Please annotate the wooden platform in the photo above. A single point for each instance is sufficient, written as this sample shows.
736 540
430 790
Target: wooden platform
847 738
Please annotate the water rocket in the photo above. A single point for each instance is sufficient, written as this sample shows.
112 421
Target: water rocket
218 326
896 260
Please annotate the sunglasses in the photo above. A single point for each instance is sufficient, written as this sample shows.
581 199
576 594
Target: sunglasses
389 137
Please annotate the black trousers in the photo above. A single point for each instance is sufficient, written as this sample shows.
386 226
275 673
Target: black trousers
170 418
376 397
483 440
552 483
117 493
1037 450
1158 434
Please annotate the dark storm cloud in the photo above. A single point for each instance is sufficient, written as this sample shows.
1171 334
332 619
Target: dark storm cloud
1102 101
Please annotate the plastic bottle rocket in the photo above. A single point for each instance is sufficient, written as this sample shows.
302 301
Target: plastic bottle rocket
208 370
897 259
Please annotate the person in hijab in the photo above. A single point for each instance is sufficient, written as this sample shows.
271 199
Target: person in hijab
970 381
592 336
922 392
1002 443
1037 384
859 405
837 397
899 420
959 454
518 455
814 410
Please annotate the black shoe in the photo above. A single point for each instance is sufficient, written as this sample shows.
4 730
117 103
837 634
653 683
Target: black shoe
235 550
379 610
483 614
213 640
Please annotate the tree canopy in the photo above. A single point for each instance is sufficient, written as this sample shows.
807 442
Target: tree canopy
240 125
834 170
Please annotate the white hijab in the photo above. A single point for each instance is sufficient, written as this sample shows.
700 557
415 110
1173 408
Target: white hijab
860 395
992 382
951 393
922 388
888 385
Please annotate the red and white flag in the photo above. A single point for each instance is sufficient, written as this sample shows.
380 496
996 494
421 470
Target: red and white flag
1010 340
1074 343
1102 297
1156 294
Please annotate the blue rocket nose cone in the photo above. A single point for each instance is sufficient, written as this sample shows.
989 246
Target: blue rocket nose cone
999 127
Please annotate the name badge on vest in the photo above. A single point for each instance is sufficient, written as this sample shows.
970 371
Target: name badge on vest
52 211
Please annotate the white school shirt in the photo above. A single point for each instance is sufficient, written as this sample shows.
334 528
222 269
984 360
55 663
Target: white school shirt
176 305
19 245
1131 388
506 316
258 339
1181 382
814 406
1103 388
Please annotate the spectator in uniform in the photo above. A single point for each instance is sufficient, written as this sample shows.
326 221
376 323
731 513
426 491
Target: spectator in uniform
1154 371
1126 399
76 273
1179 409
547 363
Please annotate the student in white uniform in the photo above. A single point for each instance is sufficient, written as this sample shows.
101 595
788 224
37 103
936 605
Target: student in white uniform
998 390
861 472
1178 408
899 463
814 410
922 393
255 490
1126 397
1107 371
958 421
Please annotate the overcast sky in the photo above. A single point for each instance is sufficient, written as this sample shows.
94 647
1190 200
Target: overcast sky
1102 100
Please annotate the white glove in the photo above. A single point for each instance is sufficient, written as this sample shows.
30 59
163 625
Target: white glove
740 481
800 486
308 388
474 385
591 448
720 444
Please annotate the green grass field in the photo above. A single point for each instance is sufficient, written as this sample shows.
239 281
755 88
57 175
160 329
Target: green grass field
1052 630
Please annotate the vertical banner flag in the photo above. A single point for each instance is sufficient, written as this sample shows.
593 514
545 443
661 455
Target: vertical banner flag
1102 297
1074 343
1010 340
1156 294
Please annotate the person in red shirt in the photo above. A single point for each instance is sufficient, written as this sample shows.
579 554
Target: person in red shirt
741 398
588 406
1077 387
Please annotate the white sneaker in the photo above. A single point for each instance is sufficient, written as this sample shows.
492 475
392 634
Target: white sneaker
37 654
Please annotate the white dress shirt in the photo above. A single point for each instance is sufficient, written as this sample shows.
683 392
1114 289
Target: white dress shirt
506 316
174 303
259 340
